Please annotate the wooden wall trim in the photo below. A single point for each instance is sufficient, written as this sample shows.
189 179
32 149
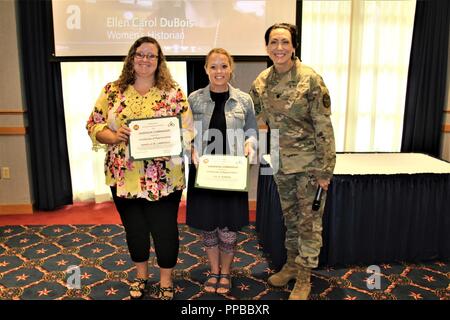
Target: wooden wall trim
252 204
16 209
262 126
11 111
446 128
13 131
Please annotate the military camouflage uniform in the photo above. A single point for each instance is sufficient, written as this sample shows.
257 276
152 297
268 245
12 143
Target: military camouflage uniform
297 103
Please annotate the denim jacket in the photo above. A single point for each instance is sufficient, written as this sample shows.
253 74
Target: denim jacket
239 115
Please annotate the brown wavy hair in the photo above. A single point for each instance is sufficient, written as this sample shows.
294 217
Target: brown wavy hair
163 78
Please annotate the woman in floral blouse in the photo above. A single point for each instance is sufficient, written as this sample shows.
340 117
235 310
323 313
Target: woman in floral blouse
146 192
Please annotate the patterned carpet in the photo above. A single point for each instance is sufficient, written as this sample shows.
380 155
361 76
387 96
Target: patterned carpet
34 261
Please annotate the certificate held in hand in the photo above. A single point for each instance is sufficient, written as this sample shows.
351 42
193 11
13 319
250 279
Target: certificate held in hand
155 137
222 172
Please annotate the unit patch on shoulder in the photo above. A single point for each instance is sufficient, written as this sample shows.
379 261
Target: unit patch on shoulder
326 100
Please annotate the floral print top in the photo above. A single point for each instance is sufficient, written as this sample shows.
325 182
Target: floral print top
148 179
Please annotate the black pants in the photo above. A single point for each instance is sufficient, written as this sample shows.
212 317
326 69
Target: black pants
141 218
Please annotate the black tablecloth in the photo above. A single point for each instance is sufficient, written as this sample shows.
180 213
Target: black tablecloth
368 219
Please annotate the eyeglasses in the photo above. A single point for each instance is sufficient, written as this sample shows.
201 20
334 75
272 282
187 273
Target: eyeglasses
141 56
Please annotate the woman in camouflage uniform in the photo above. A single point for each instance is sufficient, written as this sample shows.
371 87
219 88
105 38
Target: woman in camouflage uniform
293 99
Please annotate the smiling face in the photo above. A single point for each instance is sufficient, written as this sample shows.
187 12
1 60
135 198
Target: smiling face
146 60
218 69
280 49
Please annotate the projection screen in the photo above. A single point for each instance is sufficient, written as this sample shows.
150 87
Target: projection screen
182 27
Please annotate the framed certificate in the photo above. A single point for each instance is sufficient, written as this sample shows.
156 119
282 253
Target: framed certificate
155 137
223 172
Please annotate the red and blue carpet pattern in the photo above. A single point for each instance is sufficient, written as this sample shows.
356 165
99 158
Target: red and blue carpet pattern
34 261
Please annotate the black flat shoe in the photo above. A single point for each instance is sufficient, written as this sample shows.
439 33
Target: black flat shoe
209 286
226 287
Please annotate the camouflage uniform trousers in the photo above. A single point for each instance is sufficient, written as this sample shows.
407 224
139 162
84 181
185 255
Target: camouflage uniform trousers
303 225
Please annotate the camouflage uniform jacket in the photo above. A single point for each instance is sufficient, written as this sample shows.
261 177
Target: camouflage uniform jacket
297 103
239 116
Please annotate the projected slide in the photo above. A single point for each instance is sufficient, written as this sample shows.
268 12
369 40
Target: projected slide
183 27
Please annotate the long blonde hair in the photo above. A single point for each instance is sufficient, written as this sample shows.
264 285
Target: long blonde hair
163 78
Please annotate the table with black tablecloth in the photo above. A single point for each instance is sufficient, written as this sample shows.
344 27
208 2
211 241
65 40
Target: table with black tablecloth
380 207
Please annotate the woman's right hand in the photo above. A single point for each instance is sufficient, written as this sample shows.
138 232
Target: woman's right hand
108 136
122 134
194 157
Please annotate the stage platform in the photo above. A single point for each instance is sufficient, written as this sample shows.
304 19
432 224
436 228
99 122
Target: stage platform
380 208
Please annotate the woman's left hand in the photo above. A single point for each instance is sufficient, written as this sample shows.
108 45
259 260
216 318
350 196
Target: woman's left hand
249 152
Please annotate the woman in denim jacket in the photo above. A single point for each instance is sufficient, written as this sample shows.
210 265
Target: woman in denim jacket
225 123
